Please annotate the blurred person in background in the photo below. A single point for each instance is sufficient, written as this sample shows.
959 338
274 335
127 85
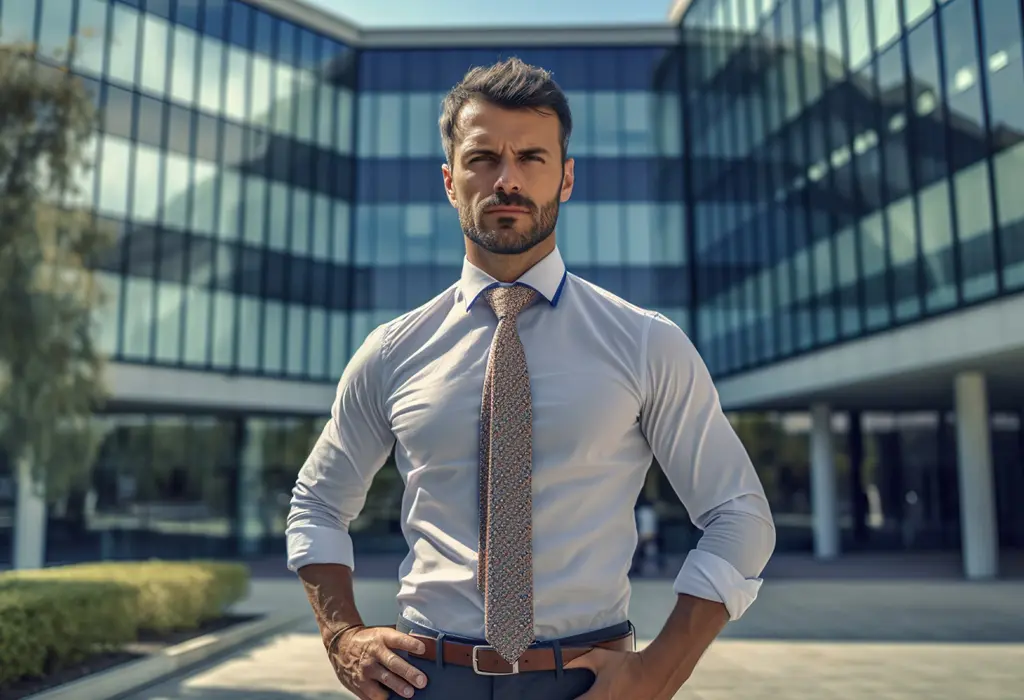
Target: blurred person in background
525 405
648 545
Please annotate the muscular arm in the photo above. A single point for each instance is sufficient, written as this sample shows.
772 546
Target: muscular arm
331 487
711 472
687 634
329 589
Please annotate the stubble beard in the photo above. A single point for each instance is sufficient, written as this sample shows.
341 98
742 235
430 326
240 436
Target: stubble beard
505 238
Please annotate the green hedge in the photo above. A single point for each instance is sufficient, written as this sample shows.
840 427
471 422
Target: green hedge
50 618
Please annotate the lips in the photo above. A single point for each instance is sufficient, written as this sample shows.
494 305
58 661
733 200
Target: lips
506 210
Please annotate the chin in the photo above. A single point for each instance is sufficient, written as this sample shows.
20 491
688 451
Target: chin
507 241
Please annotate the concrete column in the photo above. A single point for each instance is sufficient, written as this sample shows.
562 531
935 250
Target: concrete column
29 520
978 528
824 508
251 528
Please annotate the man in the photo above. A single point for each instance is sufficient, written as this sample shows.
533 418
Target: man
525 406
648 554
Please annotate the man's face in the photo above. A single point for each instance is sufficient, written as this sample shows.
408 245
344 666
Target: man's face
507 177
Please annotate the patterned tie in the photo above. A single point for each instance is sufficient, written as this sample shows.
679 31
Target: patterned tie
505 569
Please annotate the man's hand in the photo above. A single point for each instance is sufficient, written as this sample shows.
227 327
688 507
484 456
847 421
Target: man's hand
365 662
620 674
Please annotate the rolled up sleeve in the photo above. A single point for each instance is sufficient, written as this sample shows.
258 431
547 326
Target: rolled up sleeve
710 470
332 484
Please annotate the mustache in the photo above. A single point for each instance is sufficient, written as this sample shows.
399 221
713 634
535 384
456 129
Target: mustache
502 199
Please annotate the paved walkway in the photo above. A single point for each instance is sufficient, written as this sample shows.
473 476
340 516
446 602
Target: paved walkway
842 640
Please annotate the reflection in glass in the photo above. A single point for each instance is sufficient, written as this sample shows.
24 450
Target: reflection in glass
124 42
18 22
90 37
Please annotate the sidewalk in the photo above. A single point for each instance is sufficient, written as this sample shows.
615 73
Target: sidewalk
897 639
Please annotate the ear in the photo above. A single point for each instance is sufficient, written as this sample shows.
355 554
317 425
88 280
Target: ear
449 185
568 179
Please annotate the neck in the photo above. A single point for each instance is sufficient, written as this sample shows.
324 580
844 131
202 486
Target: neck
508 268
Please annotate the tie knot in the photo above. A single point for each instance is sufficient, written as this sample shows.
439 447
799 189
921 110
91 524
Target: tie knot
507 302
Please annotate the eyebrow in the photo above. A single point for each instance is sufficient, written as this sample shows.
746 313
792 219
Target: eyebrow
483 150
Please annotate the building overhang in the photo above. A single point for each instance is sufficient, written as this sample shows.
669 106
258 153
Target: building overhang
351 34
907 368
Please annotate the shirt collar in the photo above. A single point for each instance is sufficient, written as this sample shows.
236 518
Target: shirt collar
547 278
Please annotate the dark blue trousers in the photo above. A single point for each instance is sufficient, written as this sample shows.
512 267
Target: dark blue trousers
450 682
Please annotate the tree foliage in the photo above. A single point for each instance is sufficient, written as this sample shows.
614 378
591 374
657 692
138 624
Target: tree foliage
51 371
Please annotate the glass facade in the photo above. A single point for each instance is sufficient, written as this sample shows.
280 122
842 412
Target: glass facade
224 162
623 227
854 165
780 176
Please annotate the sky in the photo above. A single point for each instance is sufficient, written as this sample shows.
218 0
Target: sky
451 13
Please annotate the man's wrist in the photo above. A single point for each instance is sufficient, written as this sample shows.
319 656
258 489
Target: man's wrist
331 642
689 631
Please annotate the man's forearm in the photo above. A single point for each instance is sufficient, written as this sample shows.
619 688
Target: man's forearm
329 589
687 634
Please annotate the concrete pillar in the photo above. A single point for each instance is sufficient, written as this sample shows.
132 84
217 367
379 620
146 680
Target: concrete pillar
858 498
29 520
824 509
251 528
978 529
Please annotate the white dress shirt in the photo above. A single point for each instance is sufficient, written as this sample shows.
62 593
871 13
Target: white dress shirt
613 386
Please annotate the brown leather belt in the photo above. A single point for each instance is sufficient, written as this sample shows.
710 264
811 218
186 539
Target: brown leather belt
485 661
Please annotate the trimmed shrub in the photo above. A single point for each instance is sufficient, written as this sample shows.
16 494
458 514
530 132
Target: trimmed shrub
45 625
58 616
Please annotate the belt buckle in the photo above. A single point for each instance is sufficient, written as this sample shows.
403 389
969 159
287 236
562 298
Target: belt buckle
476 664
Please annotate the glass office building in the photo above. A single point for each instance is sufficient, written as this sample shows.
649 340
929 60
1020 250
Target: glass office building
776 177
856 165
853 168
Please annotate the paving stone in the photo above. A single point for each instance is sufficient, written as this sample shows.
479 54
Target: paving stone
801 640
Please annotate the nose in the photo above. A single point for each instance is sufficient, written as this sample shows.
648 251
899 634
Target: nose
509 177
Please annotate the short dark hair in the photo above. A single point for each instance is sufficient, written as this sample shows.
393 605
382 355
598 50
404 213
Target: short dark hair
511 84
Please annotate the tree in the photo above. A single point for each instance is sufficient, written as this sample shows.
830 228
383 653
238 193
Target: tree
50 368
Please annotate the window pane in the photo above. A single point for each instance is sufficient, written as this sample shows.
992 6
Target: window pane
204 214
90 40
273 337
343 121
297 344
224 324
138 318
388 126
124 36
339 350
608 234
210 73
18 22
421 125
168 312
278 217
237 90
230 203
974 226
640 235
318 320
146 196
107 315
177 185
284 98
155 37
249 340
301 206
54 29
197 325
183 82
